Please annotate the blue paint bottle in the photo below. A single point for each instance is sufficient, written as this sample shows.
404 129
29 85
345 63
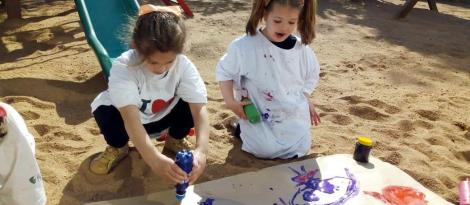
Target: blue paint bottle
184 159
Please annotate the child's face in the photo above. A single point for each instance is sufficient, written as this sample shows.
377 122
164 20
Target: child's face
281 21
158 63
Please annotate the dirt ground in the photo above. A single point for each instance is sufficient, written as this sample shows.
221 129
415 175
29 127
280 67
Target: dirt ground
405 83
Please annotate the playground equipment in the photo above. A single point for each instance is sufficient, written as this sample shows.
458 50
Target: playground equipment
411 3
104 21
182 4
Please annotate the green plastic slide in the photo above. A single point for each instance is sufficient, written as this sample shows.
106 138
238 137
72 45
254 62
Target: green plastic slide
104 23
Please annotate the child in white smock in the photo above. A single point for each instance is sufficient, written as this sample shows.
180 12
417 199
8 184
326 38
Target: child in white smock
20 179
278 72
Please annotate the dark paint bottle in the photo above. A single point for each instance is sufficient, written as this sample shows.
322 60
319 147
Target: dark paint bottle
362 150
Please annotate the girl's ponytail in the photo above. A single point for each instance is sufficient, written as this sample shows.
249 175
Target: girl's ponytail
257 13
306 24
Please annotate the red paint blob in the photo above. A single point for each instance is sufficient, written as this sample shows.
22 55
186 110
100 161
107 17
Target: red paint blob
3 112
399 195
403 195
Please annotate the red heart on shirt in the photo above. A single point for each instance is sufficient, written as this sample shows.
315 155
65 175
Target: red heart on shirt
158 105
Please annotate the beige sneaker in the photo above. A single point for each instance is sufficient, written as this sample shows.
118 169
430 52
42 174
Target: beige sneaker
176 145
108 159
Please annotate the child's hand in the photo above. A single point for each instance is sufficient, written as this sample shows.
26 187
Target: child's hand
237 108
199 164
169 170
314 117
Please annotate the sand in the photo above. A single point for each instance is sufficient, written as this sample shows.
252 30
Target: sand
405 83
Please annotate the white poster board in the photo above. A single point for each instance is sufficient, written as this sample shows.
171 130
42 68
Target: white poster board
328 180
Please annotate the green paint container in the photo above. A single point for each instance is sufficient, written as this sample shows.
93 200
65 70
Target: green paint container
251 112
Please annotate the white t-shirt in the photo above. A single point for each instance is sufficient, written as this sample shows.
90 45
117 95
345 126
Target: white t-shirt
130 83
20 179
275 80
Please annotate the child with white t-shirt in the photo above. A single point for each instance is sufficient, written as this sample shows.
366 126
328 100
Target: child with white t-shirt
151 88
278 72
20 179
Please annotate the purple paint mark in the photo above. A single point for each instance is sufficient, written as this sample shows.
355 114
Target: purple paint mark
272 57
270 117
308 185
268 96
310 196
327 187
266 115
208 201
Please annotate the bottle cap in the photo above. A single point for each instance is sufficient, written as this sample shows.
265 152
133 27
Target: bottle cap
365 141
180 197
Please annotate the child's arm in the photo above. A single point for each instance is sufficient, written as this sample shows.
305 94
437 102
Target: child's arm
159 163
201 125
226 87
314 117
311 77
312 71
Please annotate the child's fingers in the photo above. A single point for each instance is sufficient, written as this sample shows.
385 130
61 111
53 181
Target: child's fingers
178 173
193 176
242 115
172 177
317 117
314 118
243 103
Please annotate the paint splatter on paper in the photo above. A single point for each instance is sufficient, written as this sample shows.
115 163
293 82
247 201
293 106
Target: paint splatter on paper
316 191
401 195
208 201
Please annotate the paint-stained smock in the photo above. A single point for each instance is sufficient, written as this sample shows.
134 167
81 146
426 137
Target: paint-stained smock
275 79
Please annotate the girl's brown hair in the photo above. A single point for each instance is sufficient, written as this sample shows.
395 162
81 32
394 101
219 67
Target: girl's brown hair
158 31
306 24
